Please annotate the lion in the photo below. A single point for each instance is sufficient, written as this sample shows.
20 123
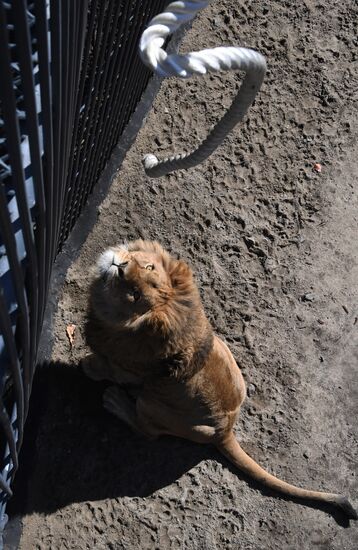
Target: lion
149 334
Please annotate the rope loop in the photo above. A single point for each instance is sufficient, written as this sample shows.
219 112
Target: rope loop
218 59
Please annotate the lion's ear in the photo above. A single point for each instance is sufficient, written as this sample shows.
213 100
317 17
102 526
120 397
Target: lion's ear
180 274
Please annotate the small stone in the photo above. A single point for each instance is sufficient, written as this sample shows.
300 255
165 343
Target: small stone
251 390
317 167
309 297
269 265
153 190
250 242
247 316
217 21
248 338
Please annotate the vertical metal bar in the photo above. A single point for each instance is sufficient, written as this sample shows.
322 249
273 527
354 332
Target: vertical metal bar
9 433
85 134
133 83
65 122
27 77
75 46
41 26
13 143
56 73
81 71
111 104
75 55
8 237
9 468
83 74
103 95
4 486
114 121
113 112
6 331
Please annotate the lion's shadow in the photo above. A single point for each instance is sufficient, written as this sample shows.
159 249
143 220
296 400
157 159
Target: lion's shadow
74 451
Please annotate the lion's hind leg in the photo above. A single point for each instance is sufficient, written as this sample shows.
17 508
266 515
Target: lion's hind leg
166 420
152 418
117 402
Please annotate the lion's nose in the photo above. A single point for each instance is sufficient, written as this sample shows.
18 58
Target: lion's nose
120 267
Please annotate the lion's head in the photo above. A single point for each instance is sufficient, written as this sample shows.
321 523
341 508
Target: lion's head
141 283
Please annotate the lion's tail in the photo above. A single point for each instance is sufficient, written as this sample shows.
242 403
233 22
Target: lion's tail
232 450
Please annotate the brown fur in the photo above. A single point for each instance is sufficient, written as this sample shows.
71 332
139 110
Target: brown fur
148 330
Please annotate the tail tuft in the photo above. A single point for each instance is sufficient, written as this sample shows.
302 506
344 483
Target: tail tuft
347 508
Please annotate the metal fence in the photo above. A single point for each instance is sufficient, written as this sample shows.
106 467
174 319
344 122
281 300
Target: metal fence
70 78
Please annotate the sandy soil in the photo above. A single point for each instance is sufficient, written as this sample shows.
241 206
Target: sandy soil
274 247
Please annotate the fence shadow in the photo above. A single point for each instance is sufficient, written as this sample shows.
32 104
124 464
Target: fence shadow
75 451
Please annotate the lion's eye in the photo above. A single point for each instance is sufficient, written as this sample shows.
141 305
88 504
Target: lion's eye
149 267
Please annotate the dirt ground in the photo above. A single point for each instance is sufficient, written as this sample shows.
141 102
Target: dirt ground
274 248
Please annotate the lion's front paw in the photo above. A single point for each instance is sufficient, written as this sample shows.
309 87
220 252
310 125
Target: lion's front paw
94 367
117 402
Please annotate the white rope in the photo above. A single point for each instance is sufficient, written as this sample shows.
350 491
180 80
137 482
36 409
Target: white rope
198 63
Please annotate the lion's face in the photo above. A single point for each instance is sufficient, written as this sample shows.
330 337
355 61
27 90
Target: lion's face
132 282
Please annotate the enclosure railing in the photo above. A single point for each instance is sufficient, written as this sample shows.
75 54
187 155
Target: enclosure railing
70 78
